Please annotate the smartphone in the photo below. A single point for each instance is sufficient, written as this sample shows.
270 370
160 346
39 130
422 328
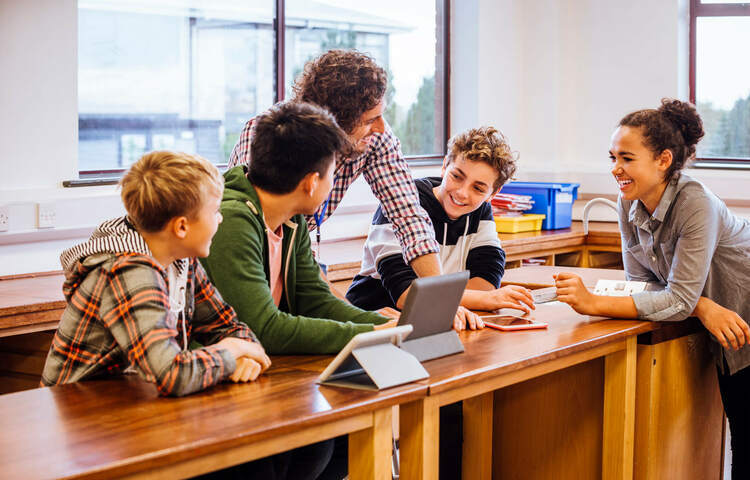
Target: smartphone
511 322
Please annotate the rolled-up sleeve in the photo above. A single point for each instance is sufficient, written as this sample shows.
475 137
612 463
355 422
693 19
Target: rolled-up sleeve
390 180
697 238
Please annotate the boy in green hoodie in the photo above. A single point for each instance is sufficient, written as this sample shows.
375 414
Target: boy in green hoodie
260 258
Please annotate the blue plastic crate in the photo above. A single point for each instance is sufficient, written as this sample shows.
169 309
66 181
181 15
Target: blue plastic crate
552 199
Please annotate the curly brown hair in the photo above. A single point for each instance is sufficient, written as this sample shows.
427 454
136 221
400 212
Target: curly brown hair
346 82
674 126
487 145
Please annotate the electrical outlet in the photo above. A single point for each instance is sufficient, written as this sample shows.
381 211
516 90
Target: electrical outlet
46 215
4 218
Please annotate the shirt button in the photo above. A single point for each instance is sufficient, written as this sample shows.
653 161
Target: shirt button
653 258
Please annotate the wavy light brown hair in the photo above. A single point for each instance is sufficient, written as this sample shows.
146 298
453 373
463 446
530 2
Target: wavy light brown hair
487 145
345 82
163 185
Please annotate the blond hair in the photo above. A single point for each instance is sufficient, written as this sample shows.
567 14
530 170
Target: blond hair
487 145
163 185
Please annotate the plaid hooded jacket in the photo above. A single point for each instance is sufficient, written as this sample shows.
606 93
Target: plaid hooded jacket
119 317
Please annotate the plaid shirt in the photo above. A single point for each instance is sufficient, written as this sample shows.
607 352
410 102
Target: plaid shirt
118 316
388 175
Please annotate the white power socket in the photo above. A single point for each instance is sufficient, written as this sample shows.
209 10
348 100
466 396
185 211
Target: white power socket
46 216
4 218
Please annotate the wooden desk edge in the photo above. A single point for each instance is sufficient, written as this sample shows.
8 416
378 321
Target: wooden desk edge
499 376
209 454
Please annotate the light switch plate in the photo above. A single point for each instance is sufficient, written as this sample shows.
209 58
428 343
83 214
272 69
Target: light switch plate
4 218
46 215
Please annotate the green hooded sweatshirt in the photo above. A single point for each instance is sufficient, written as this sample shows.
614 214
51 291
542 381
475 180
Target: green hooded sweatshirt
309 319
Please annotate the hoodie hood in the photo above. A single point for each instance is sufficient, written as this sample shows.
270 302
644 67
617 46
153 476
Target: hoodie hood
111 237
238 187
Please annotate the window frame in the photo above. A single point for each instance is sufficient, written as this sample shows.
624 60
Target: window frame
700 9
111 176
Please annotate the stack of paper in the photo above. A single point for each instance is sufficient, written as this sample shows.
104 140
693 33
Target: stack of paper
511 205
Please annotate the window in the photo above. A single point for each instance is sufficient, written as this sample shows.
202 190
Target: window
187 75
720 79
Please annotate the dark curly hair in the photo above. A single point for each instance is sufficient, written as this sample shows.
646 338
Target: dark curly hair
487 145
346 82
291 140
674 126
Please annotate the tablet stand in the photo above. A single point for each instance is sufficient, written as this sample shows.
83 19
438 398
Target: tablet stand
375 367
434 346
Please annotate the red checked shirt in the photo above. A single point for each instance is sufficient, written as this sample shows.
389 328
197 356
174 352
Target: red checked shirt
388 175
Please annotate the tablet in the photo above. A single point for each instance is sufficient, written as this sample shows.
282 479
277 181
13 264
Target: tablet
346 369
511 322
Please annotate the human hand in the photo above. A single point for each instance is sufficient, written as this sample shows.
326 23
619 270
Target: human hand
246 370
724 324
510 296
466 318
389 312
571 290
388 324
246 348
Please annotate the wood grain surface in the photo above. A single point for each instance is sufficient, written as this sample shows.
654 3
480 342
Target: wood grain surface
107 428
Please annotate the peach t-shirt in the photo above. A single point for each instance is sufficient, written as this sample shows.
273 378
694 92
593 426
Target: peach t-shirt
274 263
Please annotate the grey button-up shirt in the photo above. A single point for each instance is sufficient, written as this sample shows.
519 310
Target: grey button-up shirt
691 246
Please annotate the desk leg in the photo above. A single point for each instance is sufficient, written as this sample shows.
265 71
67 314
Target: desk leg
619 412
370 449
419 426
477 442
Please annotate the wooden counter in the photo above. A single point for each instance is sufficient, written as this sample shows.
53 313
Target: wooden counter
679 413
30 303
121 428
584 370
34 303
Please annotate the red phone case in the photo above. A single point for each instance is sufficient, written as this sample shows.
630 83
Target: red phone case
510 328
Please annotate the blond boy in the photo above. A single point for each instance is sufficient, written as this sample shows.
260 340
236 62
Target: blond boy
137 296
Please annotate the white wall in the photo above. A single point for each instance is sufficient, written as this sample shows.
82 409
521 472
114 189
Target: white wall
555 76
38 117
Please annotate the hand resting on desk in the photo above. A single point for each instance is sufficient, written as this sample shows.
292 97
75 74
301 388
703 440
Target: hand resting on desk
250 357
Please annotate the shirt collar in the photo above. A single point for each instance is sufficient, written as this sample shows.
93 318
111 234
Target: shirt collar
638 214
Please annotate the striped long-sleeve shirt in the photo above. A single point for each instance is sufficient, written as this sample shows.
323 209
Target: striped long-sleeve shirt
385 170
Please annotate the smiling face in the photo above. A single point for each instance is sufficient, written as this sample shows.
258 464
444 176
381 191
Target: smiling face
638 171
369 123
466 185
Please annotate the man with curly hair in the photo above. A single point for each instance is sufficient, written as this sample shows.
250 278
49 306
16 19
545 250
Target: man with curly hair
351 86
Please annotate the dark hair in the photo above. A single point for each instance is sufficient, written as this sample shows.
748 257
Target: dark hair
487 145
674 126
290 141
346 82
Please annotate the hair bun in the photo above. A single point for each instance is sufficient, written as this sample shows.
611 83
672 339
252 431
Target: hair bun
684 116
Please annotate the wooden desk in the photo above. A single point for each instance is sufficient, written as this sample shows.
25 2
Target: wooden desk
548 244
679 413
555 403
30 303
121 428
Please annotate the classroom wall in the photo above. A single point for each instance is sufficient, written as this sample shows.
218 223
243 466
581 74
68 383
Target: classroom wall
554 76
557 76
